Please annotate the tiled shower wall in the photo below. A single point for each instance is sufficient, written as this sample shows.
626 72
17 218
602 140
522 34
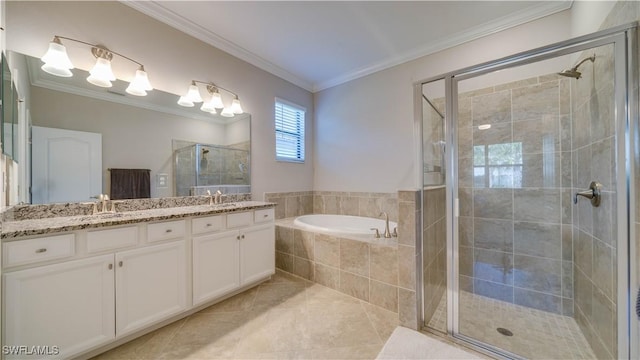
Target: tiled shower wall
515 193
594 229
434 262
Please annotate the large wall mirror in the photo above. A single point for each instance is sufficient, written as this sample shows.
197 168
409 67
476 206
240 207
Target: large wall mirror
186 150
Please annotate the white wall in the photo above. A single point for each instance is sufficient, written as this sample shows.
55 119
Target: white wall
132 137
364 129
172 59
587 16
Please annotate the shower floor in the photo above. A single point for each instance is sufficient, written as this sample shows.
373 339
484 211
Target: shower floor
536 334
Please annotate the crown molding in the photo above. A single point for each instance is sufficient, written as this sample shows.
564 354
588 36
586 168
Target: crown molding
521 17
157 11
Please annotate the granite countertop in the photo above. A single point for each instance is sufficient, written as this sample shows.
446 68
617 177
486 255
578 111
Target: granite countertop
12 230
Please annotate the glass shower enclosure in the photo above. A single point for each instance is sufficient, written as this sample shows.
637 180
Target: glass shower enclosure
526 246
202 167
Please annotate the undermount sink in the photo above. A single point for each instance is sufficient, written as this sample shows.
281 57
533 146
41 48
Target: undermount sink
109 215
225 205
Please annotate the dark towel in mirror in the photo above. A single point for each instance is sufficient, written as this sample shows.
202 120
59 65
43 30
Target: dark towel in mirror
130 183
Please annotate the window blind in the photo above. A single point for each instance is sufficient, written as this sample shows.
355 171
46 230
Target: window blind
289 132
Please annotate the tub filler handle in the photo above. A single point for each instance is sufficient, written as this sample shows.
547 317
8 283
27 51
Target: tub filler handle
377 232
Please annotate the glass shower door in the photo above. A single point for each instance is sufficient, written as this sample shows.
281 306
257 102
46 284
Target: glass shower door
537 272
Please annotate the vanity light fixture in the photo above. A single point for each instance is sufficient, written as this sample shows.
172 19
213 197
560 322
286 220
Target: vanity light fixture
215 102
57 62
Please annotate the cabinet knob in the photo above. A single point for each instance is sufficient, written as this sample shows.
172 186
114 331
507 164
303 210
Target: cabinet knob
265 215
168 231
120 263
110 266
208 225
40 251
242 236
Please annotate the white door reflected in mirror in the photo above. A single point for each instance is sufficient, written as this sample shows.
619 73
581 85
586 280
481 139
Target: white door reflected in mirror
66 165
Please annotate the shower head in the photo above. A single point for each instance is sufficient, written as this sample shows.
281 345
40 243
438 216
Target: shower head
573 72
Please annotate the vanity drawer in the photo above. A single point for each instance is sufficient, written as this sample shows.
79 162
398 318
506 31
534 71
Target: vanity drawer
40 249
207 224
263 216
165 230
239 219
111 239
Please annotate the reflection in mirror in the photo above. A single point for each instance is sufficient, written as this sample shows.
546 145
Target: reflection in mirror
8 93
202 167
139 132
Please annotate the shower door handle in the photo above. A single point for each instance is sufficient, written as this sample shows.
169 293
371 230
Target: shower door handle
594 194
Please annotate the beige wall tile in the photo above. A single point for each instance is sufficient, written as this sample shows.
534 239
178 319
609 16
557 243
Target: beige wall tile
406 267
327 276
384 295
407 310
303 268
407 223
327 250
303 244
354 285
354 256
384 264
284 239
291 206
284 262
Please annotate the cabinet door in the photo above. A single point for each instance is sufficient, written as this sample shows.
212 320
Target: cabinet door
151 285
216 269
69 305
257 253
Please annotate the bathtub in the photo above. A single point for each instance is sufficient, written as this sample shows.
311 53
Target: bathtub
342 224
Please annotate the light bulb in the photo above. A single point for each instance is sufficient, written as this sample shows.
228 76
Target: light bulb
140 84
194 94
101 74
216 99
227 112
183 101
56 61
208 106
236 107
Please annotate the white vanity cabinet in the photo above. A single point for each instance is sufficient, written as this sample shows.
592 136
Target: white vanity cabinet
231 256
151 285
69 305
90 288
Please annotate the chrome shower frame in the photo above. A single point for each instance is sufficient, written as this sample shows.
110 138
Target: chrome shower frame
624 39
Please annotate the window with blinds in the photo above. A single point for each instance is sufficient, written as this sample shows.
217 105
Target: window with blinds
289 132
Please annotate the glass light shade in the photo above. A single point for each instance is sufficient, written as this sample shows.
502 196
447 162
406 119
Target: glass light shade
140 84
101 74
227 112
194 94
216 99
56 61
183 101
236 107
208 106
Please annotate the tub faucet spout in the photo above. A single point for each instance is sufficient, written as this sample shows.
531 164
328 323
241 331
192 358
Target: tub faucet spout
387 233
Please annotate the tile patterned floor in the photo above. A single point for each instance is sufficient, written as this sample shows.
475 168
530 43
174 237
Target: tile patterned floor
283 318
536 334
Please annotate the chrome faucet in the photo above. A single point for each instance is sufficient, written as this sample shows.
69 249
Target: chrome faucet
218 197
210 197
102 199
387 233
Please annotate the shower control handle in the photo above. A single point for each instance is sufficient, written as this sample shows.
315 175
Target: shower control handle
594 194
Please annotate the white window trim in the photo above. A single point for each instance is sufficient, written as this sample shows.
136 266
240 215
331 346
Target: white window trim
304 141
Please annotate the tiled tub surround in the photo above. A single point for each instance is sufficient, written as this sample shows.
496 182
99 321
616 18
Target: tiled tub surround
515 227
363 267
290 204
379 271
